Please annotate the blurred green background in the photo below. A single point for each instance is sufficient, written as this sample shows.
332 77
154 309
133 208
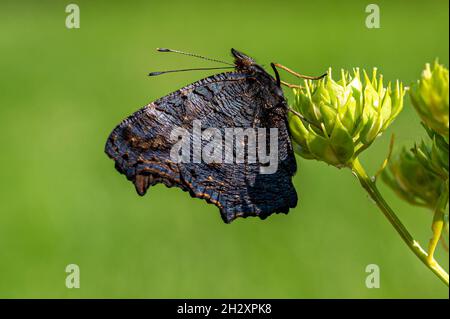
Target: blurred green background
62 201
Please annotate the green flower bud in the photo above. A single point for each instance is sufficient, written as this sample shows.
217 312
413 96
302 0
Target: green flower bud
341 119
434 155
430 98
412 181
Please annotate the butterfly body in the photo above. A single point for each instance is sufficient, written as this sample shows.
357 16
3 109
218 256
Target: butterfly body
247 98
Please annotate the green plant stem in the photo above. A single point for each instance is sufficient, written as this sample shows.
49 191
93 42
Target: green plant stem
438 223
372 190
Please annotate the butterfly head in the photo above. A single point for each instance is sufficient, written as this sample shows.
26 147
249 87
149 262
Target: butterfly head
242 61
245 63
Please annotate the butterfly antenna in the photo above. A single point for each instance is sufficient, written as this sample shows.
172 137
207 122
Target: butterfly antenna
191 54
183 70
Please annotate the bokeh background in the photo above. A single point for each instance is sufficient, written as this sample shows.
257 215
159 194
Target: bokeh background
61 201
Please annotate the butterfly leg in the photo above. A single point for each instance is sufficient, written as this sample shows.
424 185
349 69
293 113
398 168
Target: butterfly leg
289 85
301 76
304 118
277 75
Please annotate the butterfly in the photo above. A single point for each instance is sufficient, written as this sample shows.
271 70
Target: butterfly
246 98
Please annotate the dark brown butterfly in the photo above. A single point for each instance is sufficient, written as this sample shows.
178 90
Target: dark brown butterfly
246 98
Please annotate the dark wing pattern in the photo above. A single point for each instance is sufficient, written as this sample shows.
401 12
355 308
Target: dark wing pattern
141 146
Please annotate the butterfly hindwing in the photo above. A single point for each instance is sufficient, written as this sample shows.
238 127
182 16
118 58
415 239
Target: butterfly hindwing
141 146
